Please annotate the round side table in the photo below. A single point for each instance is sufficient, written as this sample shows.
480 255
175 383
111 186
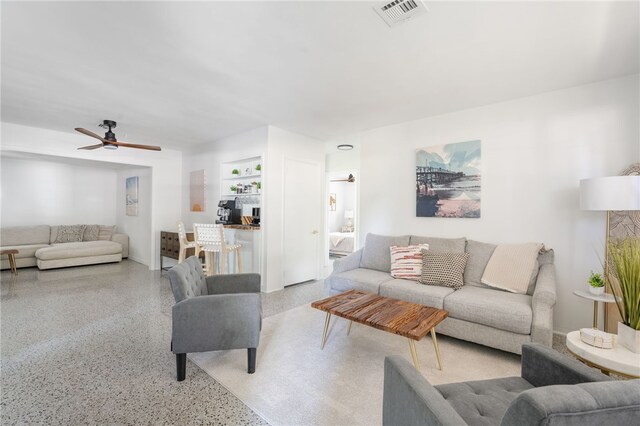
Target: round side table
604 298
618 360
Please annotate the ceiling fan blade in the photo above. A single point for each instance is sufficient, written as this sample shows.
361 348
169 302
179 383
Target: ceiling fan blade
88 133
92 146
133 145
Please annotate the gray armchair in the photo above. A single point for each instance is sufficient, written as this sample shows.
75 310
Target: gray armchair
552 390
213 313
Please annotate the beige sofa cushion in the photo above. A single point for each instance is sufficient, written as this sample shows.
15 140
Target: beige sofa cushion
441 245
24 251
81 249
359 279
23 235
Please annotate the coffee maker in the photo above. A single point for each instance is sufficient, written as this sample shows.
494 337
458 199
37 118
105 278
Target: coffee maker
255 215
228 213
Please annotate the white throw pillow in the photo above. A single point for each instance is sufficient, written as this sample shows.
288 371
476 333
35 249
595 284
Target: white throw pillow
406 261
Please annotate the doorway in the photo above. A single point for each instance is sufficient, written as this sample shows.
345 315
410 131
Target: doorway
341 215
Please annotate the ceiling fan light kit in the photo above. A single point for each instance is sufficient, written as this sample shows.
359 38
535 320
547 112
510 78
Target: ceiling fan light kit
109 140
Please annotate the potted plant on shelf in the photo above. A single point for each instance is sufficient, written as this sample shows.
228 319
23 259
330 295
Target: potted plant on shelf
624 278
259 186
596 284
258 168
235 172
233 189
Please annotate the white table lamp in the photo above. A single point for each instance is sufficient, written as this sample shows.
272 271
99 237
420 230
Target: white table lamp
348 214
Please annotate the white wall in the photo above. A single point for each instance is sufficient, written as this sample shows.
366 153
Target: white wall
138 228
166 178
534 152
209 157
36 192
283 144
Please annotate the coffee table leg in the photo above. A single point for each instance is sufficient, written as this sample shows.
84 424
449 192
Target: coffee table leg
414 354
326 328
435 345
349 329
12 263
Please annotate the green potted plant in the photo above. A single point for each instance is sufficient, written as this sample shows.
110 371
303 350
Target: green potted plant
259 185
596 283
258 168
233 189
623 275
235 172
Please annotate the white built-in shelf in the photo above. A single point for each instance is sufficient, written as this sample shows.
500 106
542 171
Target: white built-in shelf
241 195
243 177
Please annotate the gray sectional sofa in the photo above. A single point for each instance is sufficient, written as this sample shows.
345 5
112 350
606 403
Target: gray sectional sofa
36 248
477 313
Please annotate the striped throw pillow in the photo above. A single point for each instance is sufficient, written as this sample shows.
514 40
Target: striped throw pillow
443 269
406 261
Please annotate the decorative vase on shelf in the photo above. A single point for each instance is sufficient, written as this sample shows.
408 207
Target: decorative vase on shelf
629 338
596 291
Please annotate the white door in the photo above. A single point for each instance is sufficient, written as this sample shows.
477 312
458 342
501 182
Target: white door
301 221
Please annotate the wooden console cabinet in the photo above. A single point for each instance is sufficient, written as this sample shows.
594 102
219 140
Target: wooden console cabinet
170 246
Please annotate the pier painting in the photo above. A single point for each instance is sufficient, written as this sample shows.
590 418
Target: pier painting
448 180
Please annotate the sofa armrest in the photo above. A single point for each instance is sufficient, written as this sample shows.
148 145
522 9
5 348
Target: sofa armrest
542 366
123 239
216 322
233 283
347 263
543 301
409 399
610 403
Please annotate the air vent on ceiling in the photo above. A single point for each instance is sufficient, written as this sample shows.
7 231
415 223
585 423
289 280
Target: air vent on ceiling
399 11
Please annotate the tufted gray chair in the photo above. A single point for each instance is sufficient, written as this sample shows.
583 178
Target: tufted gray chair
553 390
213 313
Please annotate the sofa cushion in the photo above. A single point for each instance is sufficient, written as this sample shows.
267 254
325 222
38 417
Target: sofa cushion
412 291
91 233
106 232
498 309
69 234
359 279
25 250
479 255
483 402
376 253
406 261
23 235
443 245
81 249
443 269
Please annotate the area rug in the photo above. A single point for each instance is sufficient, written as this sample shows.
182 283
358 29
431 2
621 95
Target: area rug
297 383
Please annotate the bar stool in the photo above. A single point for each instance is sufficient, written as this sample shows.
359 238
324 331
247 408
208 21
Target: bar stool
210 239
185 244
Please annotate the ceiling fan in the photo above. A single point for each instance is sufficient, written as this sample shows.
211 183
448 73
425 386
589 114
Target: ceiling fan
350 179
109 140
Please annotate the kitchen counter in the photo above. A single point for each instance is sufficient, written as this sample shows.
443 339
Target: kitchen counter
242 227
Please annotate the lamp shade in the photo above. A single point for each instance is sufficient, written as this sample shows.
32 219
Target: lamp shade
348 214
610 193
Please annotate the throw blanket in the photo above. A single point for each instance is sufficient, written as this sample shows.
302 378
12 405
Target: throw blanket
336 238
510 266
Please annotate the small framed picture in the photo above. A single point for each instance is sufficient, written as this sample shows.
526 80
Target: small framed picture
332 202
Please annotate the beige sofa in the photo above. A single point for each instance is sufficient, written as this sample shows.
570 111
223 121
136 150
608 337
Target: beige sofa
36 248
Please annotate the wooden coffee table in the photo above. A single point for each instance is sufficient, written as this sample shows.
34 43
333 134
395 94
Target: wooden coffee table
406 319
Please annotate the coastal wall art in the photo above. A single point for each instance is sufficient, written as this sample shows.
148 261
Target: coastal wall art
332 202
197 184
448 180
131 194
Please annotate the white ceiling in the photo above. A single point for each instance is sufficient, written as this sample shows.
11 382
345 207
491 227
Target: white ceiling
16 155
181 74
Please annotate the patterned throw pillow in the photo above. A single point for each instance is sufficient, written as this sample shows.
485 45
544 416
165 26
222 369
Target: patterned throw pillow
69 234
406 262
106 232
443 269
91 233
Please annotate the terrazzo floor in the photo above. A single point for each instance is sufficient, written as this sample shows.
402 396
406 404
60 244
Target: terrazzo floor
90 345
